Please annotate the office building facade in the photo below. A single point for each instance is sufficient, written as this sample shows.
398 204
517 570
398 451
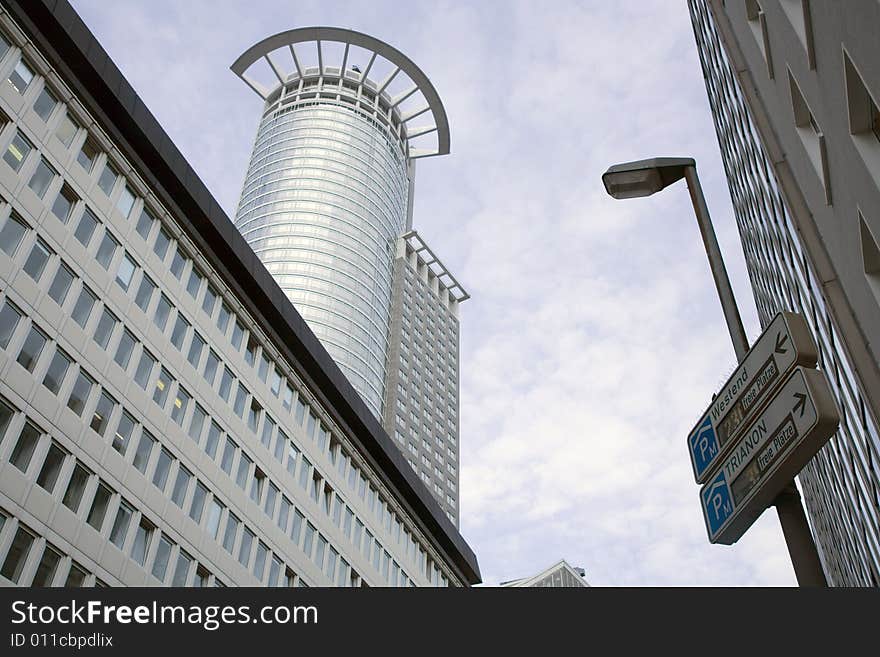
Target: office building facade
793 87
421 405
166 416
327 204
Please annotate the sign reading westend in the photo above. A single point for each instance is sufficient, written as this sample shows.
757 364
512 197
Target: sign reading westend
785 344
772 449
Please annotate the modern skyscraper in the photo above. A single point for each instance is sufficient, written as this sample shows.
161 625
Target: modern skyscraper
327 205
166 415
794 88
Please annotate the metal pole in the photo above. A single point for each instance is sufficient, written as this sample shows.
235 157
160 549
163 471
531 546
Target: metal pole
798 539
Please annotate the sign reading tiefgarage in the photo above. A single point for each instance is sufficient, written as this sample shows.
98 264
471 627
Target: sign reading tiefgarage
785 344
772 449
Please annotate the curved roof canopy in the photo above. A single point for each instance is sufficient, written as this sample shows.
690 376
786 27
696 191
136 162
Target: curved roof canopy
376 49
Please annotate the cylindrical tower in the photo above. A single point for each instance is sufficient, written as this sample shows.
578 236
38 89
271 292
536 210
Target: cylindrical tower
328 189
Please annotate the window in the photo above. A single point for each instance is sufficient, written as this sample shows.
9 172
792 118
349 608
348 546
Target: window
163 383
250 351
163 554
160 248
178 334
284 513
163 310
253 416
125 272
213 440
229 534
143 452
125 202
296 528
99 507
145 293
17 151
144 224
86 227
57 370
80 392
260 560
272 493
181 570
200 494
244 551
244 466
103 411
108 178
104 328
225 384
209 301
124 349
45 103
61 284
82 310
66 130
197 423
141 542
237 335
195 350
120 524
32 348
144 369
241 396
75 577
309 539
163 467
263 370
223 318
46 568
178 262
42 177
268 430
215 510
258 479
106 250
288 396
178 409
87 155
21 76
124 431
36 261
11 233
229 450
292 453
194 283
211 363
181 486
17 555
864 117
810 135
76 487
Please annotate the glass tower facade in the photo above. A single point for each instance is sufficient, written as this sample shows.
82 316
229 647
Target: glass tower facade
840 485
324 200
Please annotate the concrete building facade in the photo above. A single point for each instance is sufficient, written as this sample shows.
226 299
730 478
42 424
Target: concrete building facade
166 415
794 88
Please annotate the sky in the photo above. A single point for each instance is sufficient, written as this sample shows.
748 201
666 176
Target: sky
593 339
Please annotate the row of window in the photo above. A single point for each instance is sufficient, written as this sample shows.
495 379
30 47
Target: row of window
61 475
53 567
11 235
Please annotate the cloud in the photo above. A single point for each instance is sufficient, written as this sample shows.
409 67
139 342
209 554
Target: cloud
594 338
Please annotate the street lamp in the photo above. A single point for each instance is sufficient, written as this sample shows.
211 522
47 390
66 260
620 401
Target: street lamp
646 177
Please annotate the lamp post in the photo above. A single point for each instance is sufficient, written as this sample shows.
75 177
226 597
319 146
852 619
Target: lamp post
646 177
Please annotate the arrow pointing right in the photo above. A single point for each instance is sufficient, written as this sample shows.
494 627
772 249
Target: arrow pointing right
801 403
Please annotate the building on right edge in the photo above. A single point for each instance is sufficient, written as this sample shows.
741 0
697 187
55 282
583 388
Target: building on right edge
793 87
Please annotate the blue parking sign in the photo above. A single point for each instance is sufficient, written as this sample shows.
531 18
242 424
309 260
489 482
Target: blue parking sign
717 503
704 446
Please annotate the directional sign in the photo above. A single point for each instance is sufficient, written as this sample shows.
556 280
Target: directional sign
785 344
774 447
